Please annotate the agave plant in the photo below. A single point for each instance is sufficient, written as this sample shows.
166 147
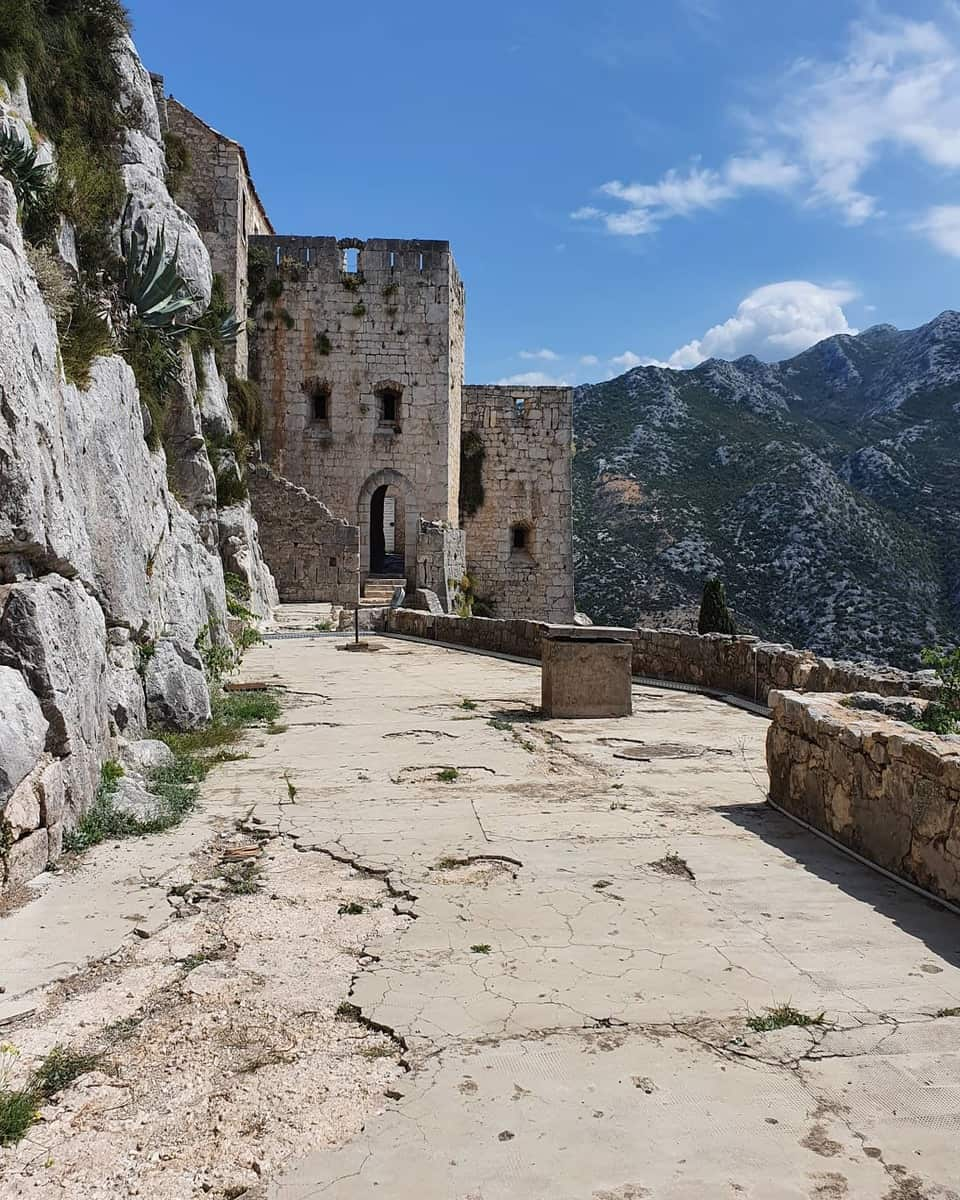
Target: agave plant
18 162
152 283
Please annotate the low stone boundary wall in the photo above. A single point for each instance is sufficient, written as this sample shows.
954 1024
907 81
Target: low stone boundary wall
312 554
742 666
885 789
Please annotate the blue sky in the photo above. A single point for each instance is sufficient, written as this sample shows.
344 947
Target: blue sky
621 181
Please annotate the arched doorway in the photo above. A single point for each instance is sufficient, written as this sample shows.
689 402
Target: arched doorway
387 533
387 514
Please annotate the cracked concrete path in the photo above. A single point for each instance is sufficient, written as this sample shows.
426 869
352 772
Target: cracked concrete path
600 906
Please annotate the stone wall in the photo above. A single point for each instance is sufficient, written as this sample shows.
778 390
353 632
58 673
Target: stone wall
748 667
333 345
526 436
712 661
313 555
218 192
441 562
885 789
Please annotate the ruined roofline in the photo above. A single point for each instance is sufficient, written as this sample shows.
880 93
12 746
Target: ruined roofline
435 245
171 99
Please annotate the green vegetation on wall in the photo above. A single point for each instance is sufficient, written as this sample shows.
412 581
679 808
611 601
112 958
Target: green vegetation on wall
472 454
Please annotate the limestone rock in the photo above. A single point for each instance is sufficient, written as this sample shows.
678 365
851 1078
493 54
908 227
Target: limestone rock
900 708
212 396
188 467
22 811
132 798
23 730
176 688
27 858
144 169
146 755
54 632
241 556
128 713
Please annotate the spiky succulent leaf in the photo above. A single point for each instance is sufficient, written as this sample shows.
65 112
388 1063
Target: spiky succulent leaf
18 162
152 283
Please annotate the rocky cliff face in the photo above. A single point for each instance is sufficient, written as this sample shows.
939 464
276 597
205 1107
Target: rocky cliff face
111 554
824 491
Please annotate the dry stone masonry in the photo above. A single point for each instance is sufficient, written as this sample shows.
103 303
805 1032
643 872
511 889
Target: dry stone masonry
885 789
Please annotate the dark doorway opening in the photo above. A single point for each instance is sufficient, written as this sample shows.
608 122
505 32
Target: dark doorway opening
377 541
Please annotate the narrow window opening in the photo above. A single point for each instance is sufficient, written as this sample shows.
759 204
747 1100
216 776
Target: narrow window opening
278 256
519 404
420 262
393 259
388 403
351 261
320 404
519 537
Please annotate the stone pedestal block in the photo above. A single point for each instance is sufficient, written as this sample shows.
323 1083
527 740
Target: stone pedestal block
586 677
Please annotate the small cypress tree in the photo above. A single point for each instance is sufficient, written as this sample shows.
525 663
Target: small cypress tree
715 617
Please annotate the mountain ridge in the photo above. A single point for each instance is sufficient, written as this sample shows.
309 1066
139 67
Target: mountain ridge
824 489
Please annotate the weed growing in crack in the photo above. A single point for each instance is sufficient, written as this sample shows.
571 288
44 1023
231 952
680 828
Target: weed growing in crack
116 1031
291 786
192 961
20 1107
481 948
781 1017
501 724
949 1012
175 789
60 1068
673 864
350 909
241 879
448 775
380 1051
468 704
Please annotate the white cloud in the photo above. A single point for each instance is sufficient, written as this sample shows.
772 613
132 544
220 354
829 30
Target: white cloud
682 193
773 322
532 379
588 360
896 88
544 355
942 226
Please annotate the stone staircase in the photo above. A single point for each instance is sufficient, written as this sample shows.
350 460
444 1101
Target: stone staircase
378 590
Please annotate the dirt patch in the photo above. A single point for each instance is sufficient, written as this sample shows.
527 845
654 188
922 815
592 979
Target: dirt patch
479 870
672 864
817 1141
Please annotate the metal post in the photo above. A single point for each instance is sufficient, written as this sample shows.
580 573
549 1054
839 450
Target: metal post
356 625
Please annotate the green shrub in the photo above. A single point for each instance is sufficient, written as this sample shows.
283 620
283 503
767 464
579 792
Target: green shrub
472 454
323 344
943 714
55 287
243 396
715 617
84 337
179 160
219 327
63 50
156 364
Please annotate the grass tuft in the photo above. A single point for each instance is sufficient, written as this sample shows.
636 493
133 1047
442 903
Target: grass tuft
781 1017
481 948
448 775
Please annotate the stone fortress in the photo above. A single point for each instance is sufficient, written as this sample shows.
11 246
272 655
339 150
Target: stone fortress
379 465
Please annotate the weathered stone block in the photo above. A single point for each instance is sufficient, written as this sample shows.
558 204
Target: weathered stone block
584 677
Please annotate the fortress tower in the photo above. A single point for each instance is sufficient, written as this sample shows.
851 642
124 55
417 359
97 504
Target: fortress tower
378 463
